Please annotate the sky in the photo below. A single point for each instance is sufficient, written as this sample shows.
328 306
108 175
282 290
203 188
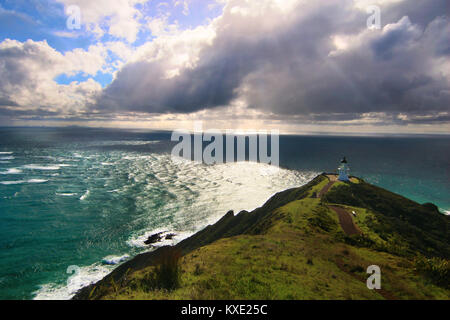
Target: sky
297 66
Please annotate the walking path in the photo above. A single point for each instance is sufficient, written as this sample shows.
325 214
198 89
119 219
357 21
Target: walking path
346 221
345 218
325 189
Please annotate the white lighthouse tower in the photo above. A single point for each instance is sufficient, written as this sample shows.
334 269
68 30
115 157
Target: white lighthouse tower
343 170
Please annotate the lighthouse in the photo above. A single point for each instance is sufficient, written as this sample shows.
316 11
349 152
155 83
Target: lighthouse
343 170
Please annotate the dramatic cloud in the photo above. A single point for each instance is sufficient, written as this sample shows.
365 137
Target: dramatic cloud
29 70
279 62
119 18
295 58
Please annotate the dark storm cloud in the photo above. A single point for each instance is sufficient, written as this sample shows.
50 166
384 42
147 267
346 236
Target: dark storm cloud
421 12
7 102
291 69
385 71
222 67
210 84
41 113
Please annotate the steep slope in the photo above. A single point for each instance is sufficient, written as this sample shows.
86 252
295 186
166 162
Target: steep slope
294 247
396 219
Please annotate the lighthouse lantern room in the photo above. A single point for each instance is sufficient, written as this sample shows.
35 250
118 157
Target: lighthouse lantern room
343 170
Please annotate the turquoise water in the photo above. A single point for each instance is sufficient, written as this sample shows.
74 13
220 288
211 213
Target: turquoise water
417 167
90 197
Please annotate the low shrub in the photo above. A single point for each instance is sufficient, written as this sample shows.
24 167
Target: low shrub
436 269
167 274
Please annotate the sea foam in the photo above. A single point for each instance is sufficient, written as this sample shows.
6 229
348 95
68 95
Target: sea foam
39 167
23 181
85 195
221 187
113 260
37 181
12 171
83 276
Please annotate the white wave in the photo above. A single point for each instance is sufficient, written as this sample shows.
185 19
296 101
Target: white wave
66 194
37 181
201 195
67 160
39 167
4 162
124 142
45 157
52 167
23 181
114 191
12 182
81 278
107 164
1 153
85 195
7 158
204 194
113 260
446 212
12 171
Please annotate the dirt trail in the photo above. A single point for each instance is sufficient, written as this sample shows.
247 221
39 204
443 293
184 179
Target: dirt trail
346 221
325 189
349 227
345 218
332 178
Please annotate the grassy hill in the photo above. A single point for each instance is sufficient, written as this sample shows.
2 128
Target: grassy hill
293 247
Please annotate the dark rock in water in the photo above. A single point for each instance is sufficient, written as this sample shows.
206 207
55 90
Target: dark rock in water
231 212
154 238
170 236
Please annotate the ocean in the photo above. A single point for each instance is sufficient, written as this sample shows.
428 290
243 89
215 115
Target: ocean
76 202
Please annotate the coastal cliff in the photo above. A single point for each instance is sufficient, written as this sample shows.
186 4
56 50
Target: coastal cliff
311 242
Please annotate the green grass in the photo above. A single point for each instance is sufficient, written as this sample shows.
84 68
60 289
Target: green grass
406 227
293 248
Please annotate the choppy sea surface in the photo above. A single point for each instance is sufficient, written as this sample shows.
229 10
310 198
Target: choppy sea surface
76 202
